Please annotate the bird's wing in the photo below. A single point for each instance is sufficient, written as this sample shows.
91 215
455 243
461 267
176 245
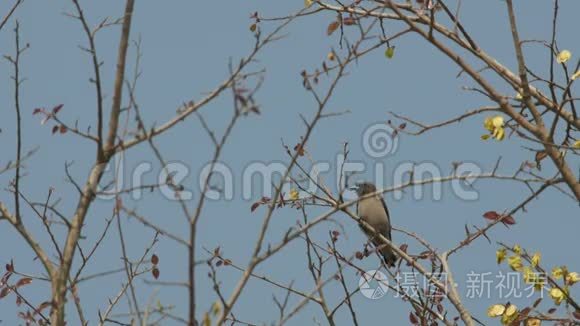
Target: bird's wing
388 231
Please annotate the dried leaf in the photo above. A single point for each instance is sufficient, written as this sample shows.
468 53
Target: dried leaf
55 129
300 149
154 259
508 220
254 206
332 27
413 319
57 108
155 272
491 215
23 281
43 306
348 21
4 292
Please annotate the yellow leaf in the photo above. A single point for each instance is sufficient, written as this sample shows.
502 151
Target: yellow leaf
517 249
216 308
499 133
576 144
515 263
500 254
390 52
488 123
206 320
533 322
510 314
294 194
536 259
557 295
308 3
510 310
572 278
485 136
576 75
497 121
495 310
563 56
557 272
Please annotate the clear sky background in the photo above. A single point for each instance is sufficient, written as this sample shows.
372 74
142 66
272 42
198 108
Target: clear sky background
186 47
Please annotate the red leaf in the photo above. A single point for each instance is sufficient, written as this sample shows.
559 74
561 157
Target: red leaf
23 281
43 306
227 262
155 272
5 278
348 21
508 220
359 255
63 129
491 215
36 111
254 206
332 27
404 247
55 129
154 260
413 319
57 108
4 292
300 149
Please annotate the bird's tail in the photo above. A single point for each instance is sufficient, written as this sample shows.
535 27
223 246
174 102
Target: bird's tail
389 256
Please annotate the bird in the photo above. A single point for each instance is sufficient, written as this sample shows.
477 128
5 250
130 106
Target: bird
374 211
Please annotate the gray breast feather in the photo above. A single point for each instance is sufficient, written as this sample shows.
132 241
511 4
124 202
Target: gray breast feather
372 211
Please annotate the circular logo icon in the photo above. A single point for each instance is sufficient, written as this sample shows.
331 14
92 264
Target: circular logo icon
373 284
380 140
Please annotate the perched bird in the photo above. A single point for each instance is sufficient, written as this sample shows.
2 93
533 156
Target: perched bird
373 210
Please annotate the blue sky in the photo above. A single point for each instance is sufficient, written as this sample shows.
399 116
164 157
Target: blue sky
186 48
